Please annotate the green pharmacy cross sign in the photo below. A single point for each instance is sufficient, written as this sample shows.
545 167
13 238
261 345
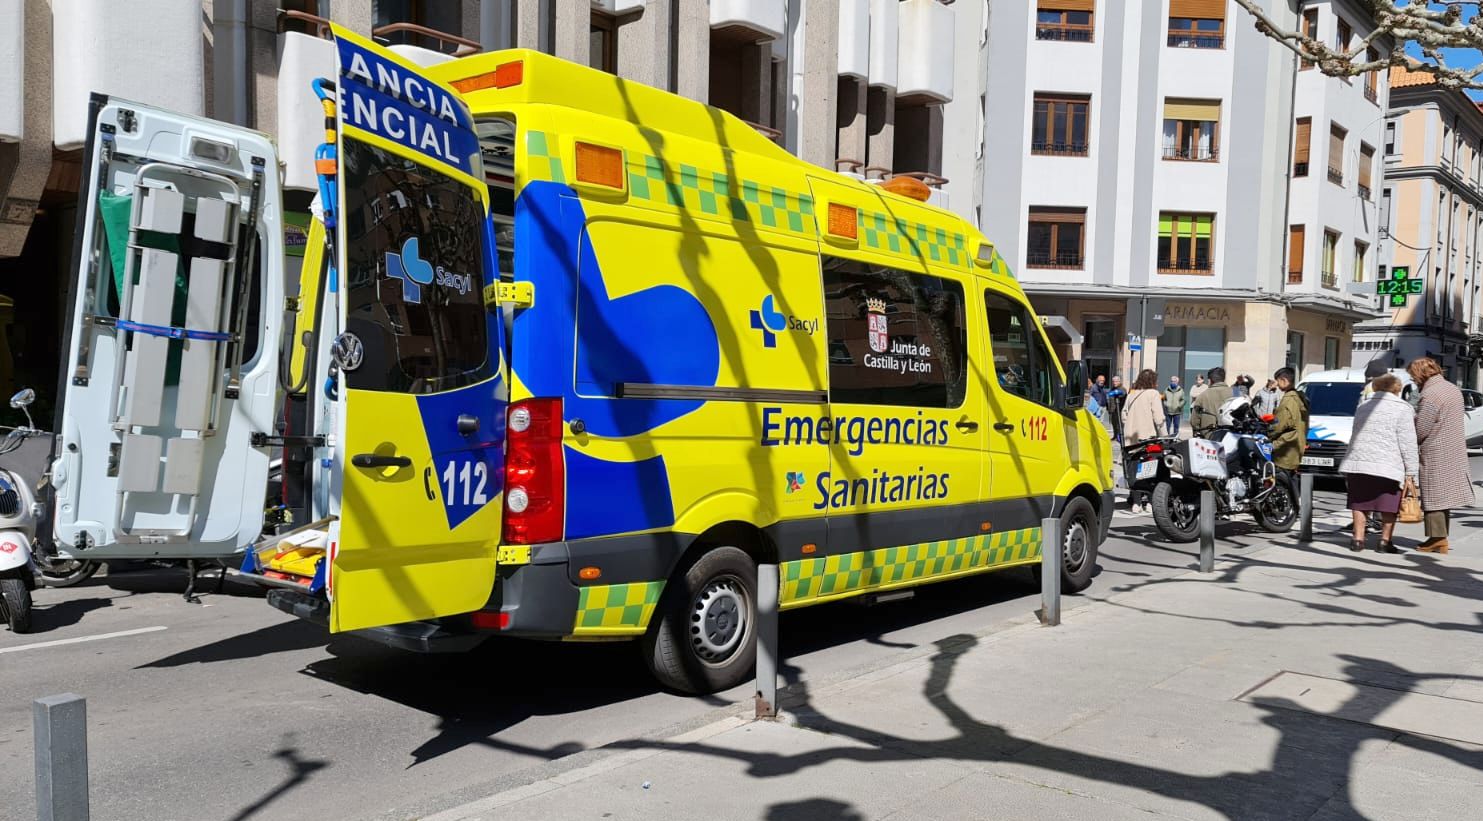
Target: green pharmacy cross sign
1399 287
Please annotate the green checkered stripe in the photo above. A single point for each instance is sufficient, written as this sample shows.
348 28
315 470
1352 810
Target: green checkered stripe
858 572
616 609
884 232
651 179
542 159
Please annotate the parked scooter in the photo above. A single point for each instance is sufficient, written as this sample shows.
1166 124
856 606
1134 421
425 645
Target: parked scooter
1235 462
17 527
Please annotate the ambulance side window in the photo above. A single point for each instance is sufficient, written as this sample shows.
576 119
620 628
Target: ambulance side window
895 337
1022 363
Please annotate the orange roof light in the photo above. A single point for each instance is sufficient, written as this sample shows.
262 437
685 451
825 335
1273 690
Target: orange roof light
600 165
843 221
504 75
589 573
908 187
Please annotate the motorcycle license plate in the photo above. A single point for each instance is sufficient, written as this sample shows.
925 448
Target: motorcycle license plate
1148 470
1318 461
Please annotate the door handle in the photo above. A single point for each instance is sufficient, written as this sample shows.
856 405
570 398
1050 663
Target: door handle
967 425
374 460
1004 427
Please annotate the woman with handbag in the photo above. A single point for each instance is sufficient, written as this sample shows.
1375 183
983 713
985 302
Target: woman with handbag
1142 419
1446 482
1382 461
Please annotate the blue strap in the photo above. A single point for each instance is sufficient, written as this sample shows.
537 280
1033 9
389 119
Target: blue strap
172 333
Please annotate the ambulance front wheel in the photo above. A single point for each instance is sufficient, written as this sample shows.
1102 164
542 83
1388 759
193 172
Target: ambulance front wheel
1078 546
702 639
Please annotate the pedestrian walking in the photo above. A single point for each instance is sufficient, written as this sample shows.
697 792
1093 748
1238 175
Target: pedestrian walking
1198 389
1289 431
1444 476
1173 406
1142 419
1099 391
1204 415
1117 397
1267 398
1382 461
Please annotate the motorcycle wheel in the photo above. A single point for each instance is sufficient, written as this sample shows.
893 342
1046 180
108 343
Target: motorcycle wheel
67 572
17 604
1277 512
1177 518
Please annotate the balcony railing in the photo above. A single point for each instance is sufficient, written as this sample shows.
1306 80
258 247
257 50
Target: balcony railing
1336 175
1067 32
1060 149
1295 277
1186 38
1329 280
1300 169
1046 259
1364 191
1191 153
1195 265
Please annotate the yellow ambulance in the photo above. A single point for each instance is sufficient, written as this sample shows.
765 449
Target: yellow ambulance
601 350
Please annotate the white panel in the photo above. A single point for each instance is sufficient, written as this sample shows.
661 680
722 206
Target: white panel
300 116
766 17
854 38
183 466
147 51
161 210
926 46
139 464
419 55
617 6
883 24
12 68
198 360
144 371
212 219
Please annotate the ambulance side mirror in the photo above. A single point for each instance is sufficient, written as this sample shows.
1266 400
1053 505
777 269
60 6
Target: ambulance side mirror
1075 388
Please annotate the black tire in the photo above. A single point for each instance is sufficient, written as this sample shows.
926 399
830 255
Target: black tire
17 604
1176 518
67 572
1277 512
703 638
1080 535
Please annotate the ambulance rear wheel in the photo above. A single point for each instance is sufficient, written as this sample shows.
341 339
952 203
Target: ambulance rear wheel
703 638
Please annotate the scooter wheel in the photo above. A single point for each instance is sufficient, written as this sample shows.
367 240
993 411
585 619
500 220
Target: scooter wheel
17 600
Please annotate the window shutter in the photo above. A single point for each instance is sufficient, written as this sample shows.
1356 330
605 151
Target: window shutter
1204 110
1067 5
1336 149
1297 236
1304 137
1166 225
1201 9
1039 214
1204 225
1366 160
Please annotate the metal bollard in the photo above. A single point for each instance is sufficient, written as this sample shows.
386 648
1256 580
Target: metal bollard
1305 507
1207 531
1050 572
767 641
60 724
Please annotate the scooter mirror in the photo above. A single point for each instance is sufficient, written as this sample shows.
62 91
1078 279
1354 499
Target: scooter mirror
22 398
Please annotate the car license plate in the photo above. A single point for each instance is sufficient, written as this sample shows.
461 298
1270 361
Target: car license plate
1318 461
1148 470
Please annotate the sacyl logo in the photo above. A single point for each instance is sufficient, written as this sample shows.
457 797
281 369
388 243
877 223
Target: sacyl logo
415 272
769 322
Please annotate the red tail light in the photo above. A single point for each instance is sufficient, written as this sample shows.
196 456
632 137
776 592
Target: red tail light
1154 449
535 472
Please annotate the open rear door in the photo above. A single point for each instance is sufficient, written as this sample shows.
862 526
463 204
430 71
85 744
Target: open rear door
172 348
421 390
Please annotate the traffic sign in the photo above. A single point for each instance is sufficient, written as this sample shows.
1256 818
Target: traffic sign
1400 286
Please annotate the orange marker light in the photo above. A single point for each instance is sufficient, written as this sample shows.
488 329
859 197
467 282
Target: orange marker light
809 548
589 573
599 165
503 76
842 221
985 526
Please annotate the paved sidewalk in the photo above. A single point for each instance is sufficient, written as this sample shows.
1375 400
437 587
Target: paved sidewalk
1294 682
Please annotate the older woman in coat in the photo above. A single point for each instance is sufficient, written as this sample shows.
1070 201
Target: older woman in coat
1382 455
1445 479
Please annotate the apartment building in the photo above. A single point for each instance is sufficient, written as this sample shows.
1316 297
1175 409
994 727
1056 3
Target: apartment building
1167 149
1431 219
870 88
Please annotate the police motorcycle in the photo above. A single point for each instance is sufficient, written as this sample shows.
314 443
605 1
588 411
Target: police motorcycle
1235 462
17 527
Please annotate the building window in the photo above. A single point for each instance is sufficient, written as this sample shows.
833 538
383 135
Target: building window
1295 351
1343 35
1302 140
1447 144
1336 154
1057 238
1372 79
1191 130
1390 139
1297 238
1385 212
1330 353
1360 251
1327 277
1310 30
603 50
1366 169
1197 23
1060 126
1186 243
1067 20
442 18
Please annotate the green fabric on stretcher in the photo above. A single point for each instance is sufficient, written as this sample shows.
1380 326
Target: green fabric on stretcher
115 211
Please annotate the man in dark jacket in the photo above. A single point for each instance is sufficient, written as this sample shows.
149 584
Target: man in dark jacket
1289 430
1204 413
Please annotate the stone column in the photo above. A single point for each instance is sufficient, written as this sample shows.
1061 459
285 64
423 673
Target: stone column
531 28
572 35
880 125
756 83
818 82
850 120
24 166
646 45
352 14
692 39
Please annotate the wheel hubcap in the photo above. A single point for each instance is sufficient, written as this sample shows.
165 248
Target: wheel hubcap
1075 545
718 620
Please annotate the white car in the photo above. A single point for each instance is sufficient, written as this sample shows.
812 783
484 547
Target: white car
1333 397
1472 402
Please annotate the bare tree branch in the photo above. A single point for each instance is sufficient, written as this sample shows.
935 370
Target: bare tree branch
1456 25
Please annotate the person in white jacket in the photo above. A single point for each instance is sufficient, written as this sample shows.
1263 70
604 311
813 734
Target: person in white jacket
1382 460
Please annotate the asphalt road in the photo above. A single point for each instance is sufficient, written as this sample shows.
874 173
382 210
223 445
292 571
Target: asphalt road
231 710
